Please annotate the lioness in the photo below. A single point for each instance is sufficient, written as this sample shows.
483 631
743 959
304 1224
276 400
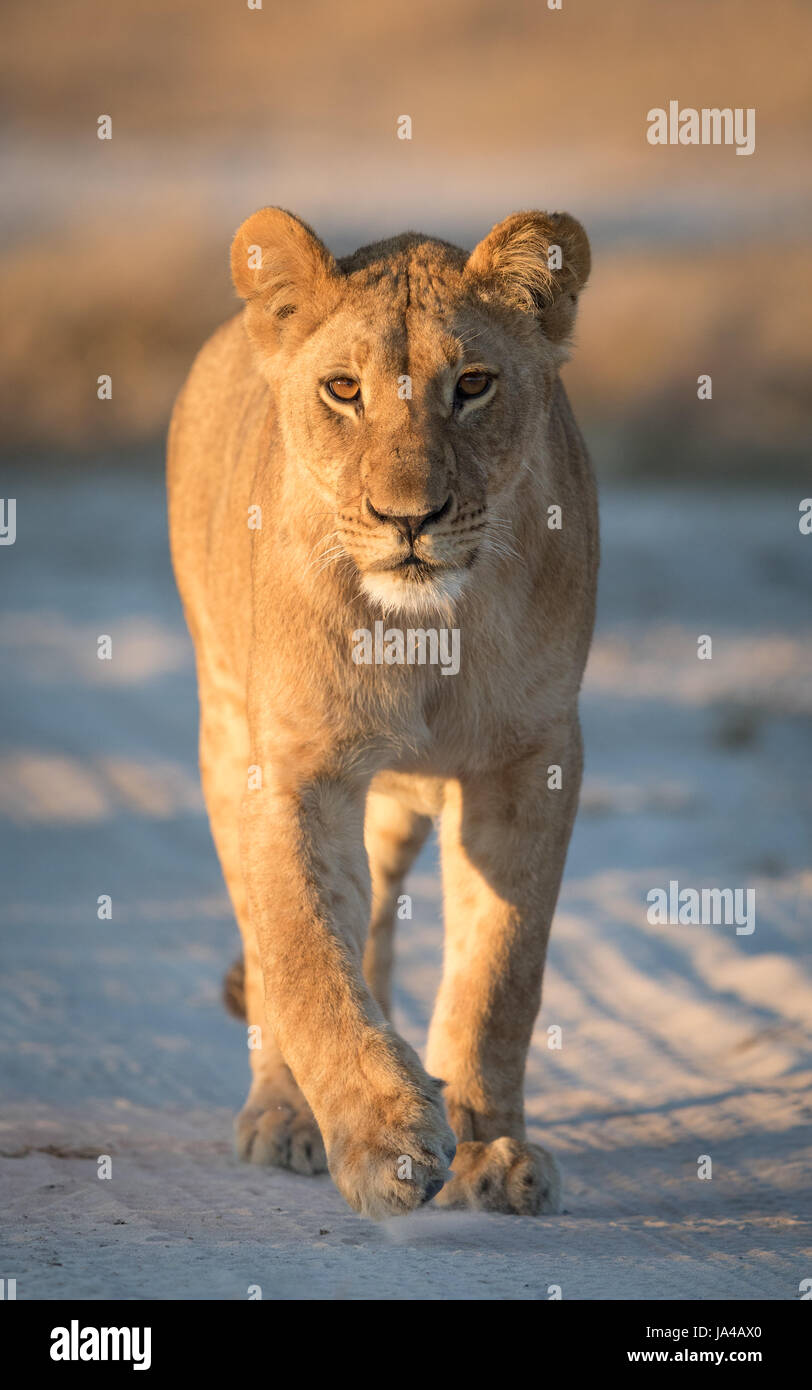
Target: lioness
386 436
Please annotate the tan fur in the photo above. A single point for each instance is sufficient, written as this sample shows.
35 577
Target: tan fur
354 755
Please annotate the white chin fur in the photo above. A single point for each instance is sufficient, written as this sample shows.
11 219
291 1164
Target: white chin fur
427 598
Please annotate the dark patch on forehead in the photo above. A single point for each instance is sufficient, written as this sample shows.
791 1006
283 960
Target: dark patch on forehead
387 277
397 246
418 272
433 280
410 279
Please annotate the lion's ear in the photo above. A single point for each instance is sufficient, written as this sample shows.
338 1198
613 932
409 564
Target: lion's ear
283 271
538 262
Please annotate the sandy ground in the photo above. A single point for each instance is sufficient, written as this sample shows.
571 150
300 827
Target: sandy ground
677 1041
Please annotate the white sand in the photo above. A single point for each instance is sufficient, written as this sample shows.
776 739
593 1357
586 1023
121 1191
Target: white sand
678 1041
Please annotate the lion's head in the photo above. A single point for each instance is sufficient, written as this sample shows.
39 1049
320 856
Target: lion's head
412 384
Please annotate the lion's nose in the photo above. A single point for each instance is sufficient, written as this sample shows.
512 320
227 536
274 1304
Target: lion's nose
410 526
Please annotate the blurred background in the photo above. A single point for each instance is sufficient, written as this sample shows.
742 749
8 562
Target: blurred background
113 254
114 260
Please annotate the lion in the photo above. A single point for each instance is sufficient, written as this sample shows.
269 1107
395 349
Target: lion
385 439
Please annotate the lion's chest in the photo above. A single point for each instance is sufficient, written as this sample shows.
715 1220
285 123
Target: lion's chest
432 707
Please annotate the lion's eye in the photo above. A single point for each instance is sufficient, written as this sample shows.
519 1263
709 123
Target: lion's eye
343 388
472 384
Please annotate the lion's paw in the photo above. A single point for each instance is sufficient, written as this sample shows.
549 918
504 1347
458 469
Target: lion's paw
280 1130
506 1175
396 1168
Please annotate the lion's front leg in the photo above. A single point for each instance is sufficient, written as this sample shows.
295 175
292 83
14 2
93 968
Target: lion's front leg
388 1141
275 1125
504 840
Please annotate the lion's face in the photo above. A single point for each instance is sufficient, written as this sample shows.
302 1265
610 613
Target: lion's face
411 383
413 421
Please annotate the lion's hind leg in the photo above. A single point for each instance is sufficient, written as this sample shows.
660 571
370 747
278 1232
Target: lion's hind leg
393 836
